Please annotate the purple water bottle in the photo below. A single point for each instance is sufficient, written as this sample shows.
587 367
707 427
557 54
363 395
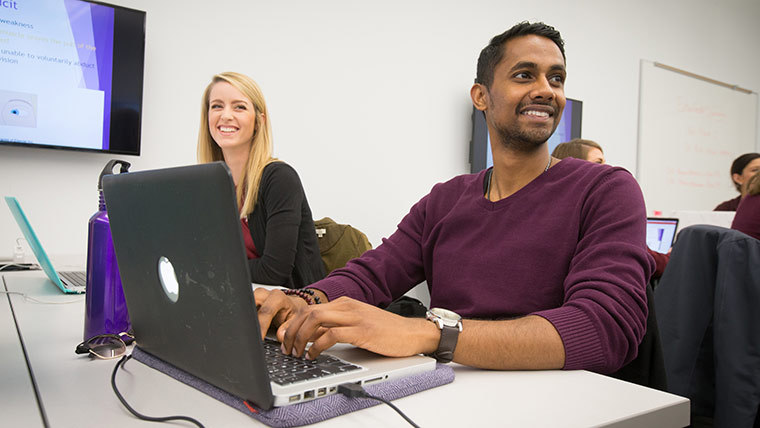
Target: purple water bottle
105 308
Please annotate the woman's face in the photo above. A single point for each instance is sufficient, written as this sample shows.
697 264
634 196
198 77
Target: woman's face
231 118
751 169
595 155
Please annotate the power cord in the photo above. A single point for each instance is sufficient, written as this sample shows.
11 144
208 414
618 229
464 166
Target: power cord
18 266
121 363
352 390
43 302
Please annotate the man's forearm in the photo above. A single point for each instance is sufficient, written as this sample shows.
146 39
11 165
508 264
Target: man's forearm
528 343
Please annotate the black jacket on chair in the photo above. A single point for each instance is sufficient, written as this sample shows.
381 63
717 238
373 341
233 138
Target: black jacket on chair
708 311
648 368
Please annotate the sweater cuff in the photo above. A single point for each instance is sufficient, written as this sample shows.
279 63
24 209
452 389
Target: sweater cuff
583 348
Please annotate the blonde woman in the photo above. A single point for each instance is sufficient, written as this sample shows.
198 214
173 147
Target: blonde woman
277 224
580 149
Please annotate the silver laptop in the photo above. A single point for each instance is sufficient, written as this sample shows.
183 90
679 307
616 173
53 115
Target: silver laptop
70 282
187 284
661 233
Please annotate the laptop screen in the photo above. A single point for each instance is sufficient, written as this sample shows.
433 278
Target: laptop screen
31 238
661 232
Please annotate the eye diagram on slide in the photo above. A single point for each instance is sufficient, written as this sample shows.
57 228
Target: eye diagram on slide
18 109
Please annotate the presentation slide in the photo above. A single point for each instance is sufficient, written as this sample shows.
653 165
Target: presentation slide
56 61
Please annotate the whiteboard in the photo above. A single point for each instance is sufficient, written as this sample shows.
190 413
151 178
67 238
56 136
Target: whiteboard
690 130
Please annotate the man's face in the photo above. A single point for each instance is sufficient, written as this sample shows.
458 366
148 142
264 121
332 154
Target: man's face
525 102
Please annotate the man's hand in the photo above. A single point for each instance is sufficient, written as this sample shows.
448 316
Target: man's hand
347 320
274 307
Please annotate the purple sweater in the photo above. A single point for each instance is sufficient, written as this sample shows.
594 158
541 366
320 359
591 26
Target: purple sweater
747 217
569 247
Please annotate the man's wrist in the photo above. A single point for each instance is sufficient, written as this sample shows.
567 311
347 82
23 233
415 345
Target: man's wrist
320 294
449 325
307 294
429 335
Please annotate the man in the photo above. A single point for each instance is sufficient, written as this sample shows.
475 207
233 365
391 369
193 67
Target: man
545 260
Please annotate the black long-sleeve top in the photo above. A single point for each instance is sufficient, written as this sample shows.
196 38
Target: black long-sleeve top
283 233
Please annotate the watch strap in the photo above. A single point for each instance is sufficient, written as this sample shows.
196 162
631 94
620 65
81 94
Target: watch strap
447 344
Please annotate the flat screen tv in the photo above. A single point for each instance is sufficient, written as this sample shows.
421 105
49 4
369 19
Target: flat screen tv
480 146
71 75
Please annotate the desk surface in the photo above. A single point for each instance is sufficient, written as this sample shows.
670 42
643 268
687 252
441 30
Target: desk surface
73 386
16 391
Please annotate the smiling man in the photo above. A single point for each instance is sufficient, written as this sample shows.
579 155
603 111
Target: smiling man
544 260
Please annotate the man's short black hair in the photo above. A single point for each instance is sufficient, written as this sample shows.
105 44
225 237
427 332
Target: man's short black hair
492 54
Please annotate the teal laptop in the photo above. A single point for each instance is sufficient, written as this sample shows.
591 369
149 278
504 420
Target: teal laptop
72 282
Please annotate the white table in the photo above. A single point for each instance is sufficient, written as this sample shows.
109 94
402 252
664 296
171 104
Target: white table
17 398
75 387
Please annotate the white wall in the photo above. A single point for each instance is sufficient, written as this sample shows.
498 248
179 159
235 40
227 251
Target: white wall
370 101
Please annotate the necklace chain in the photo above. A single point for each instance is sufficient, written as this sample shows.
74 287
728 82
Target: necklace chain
490 179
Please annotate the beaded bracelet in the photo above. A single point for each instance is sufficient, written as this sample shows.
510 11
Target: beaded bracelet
304 293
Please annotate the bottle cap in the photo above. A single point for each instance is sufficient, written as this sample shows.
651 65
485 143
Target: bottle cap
108 170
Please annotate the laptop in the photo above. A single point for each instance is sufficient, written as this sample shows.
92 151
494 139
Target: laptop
661 233
188 289
70 282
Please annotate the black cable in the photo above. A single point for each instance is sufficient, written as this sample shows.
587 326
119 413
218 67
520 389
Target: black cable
352 390
121 363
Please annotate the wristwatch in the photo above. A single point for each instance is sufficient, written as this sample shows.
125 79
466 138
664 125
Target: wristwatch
450 324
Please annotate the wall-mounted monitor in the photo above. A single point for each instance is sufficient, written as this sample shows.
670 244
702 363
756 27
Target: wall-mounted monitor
480 146
71 75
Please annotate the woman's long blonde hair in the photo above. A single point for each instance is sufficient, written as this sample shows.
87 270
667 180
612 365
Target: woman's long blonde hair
260 154
576 148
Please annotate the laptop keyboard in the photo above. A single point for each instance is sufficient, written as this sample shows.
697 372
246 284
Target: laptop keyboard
74 279
286 369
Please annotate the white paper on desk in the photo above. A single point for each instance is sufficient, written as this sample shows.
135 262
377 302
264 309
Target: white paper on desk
268 287
715 218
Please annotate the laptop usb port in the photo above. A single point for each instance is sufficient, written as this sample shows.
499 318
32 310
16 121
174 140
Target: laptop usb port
308 394
321 392
294 398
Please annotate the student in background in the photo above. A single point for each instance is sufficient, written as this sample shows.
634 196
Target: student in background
278 229
743 167
580 149
747 217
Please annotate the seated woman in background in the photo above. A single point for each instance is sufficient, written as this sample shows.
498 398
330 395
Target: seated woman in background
580 149
747 217
743 167
278 228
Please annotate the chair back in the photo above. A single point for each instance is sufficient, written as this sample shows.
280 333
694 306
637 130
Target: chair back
708 312
648 368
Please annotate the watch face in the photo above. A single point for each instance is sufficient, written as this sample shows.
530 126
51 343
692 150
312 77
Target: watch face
448 317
